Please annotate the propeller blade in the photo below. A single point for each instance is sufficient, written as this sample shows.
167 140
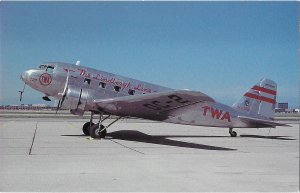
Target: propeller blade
79 100
21 95
63 94
62 100
21 92
57 107
66 84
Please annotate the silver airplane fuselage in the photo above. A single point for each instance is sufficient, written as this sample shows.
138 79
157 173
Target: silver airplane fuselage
79 87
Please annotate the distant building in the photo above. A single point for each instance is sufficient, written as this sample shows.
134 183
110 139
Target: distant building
39 105
284 108
281 107
27 107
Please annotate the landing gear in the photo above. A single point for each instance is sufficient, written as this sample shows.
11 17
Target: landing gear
86 128
232 133
97 130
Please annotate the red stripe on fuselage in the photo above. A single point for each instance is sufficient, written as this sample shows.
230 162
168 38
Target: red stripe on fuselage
261 98
269 91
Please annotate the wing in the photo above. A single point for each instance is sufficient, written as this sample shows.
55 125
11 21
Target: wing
261 122
153 106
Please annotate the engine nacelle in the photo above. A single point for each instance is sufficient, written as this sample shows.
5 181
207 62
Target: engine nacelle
76 100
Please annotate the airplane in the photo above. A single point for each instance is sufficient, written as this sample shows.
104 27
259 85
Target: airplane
80 89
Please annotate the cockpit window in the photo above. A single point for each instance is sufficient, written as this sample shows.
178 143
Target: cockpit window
50 69
42 67
47 68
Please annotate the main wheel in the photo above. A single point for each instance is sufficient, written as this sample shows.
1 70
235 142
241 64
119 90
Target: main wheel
95 131
233 134
86 128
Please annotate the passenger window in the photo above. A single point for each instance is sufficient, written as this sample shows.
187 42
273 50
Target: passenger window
87 81
131 92
117 88
102 84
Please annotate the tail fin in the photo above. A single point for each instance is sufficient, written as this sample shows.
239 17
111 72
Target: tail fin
260 99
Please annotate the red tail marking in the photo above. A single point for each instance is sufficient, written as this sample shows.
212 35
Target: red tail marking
269 91
261 98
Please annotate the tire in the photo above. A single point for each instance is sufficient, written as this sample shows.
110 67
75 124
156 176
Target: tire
94 131
233 134
86 128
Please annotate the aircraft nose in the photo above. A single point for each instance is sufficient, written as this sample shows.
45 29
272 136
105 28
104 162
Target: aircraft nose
24 76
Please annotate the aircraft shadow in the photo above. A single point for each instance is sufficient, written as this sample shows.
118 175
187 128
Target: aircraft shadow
137 136
269 137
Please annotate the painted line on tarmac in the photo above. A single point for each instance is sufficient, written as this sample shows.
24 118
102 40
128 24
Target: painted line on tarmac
127 147
36 126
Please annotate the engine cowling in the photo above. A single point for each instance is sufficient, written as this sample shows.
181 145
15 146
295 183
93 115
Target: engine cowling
76 100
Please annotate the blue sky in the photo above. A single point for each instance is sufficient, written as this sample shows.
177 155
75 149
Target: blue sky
219 48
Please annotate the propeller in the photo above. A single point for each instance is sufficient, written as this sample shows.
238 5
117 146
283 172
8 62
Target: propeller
79 100
63 94
21 92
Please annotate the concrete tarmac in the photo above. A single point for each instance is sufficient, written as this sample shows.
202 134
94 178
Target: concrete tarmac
46 154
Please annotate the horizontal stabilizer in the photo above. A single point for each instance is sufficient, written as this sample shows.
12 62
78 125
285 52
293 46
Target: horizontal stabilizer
261 122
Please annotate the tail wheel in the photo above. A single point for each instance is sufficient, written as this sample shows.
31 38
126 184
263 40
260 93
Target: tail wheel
86 128
233 134
97 132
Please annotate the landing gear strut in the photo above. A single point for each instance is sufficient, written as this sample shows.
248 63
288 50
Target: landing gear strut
97 130
232 133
